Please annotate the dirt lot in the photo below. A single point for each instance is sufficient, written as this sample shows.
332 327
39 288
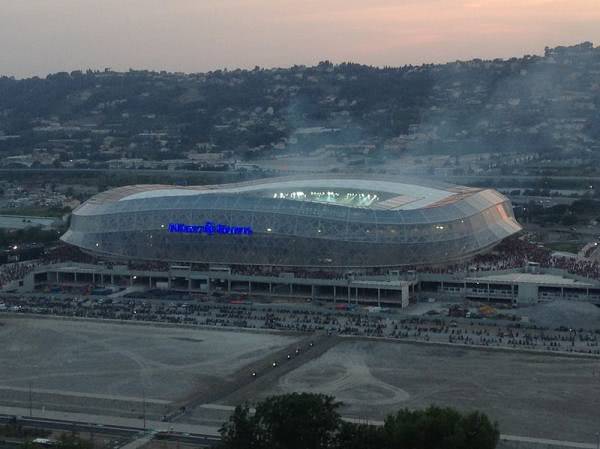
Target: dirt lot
106 368
534 395
82 365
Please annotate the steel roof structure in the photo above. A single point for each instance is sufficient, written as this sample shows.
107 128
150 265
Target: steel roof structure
339 221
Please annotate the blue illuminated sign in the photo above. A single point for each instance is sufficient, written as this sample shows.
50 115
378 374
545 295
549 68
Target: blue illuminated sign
209 228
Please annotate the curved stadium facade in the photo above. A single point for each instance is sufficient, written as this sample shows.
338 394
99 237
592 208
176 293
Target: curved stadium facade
305 222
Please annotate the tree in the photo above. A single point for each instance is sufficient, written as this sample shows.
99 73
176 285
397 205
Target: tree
297 421
240 431
291 421
479 431
65 441
311 421
569 219
360 436
440 428
72 441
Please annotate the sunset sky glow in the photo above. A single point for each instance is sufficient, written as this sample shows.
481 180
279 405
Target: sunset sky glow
42 36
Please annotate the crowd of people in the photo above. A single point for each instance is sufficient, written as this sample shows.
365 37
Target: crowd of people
10 272
358 323
282 271
512 253
580 267
60 253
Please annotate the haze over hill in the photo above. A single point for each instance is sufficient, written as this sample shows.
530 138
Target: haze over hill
196 36
544 107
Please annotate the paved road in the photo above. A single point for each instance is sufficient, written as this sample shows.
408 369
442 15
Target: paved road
286 359
192 433
126 427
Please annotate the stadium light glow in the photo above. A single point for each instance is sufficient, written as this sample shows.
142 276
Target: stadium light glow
356 199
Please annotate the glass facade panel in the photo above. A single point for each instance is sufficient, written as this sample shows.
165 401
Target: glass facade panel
289 232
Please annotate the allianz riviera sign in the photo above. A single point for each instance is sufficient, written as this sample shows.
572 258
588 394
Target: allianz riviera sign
209 228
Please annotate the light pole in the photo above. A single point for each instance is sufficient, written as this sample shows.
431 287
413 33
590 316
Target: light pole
144 406
30 401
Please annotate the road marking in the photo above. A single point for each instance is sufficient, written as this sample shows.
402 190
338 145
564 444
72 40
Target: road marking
87 395
548 442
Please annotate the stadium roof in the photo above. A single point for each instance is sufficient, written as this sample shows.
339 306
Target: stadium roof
357 191
310 221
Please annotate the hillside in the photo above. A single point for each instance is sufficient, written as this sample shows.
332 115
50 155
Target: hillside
538 105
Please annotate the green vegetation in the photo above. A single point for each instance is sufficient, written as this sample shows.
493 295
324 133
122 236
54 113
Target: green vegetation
104 181
72 441
28 235
295 421
65 441
311 421
564 246
36 211
87 119
579 212
440 428
15 430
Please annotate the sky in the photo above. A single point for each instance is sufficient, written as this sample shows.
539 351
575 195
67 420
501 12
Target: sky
38 37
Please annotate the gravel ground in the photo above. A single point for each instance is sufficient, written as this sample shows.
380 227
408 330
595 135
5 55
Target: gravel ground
106 368
533 395
63 360
563 313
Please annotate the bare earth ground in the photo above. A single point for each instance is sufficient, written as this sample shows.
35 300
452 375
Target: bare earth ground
82 364
534 395
106 368
562 313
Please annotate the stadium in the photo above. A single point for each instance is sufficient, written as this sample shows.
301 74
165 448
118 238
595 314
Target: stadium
335 222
